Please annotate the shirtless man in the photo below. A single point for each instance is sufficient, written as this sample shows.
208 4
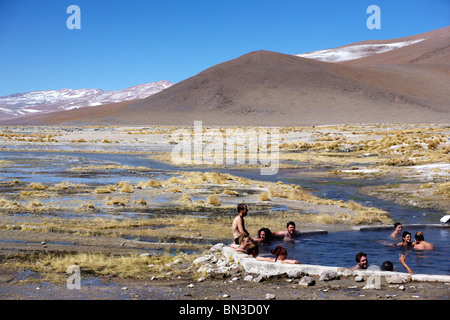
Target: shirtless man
289 234
361 261
238 226
420 243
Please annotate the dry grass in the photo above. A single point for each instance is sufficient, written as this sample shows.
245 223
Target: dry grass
53 266
117 202
125 187
105 189
301 195
231 193
264 196
443 188
37 186
149 183
213 200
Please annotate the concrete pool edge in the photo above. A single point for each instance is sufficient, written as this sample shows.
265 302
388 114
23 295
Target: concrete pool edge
268 269
390 227
272 269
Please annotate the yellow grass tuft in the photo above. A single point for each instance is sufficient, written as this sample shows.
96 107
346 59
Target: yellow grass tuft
37 186
214 200
231 193
264 196
149 183
118 202
125 187
107 189
301 195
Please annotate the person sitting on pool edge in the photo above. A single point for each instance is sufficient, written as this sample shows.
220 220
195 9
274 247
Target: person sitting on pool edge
288 234
361 261
406 240
238 226
397 230
420 243
280 255
389 266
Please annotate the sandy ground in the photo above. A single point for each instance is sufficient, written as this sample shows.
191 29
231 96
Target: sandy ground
157 142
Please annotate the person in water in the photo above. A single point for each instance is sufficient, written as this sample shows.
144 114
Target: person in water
389 266
252 249
264 236
238 226
361 261
280 255
246 245
397 230
243 241
406 240
288 234
420 243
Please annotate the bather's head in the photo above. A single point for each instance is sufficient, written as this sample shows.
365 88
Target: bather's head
387 266
279 252
361 260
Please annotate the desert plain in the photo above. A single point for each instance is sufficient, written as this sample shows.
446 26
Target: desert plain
112 200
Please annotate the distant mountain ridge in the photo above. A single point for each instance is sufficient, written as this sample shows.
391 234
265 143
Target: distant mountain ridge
403 80
46 101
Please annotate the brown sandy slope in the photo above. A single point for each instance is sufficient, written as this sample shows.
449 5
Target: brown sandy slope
269 88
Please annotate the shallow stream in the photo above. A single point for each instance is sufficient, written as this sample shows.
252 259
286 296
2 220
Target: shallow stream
336 248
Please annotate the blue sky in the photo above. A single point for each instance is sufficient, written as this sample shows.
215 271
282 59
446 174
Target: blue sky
125 43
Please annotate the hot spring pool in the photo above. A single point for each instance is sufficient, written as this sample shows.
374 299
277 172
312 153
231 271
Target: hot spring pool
338 249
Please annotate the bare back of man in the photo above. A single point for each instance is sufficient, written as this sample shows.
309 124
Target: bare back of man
238 226
420 243
423 245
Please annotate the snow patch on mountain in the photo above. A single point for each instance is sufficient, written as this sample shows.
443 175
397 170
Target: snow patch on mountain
22 104
354 52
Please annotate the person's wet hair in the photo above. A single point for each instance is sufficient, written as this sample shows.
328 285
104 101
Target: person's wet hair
387 266
267 231
290 223
419 236
279 250
252 249
359 255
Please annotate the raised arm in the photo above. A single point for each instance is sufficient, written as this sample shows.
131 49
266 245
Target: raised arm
401 258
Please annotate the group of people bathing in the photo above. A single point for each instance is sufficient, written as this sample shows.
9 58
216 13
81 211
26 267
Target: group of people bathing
250 245
418 244
244 243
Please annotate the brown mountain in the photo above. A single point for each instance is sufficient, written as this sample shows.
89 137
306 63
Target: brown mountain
433 48
269 88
